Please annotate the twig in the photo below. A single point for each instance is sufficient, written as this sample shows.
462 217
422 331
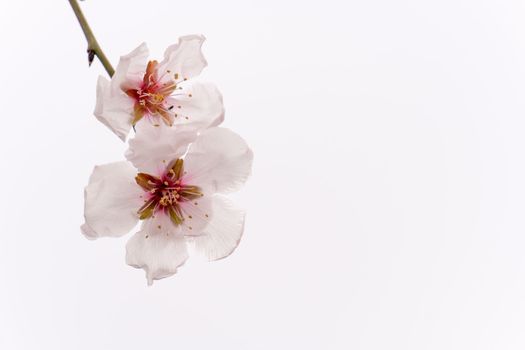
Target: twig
93 46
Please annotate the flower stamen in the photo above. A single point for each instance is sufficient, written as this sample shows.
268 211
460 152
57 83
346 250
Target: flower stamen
151 97
165 194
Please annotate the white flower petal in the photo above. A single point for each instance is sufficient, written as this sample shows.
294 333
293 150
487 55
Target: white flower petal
184 58
88 232
197 214
113 110
224 231
112 199
158 254
154 147
198 105
218 161
160 223
130 69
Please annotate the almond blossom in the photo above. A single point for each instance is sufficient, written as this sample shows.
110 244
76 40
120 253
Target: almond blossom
164 93
177 191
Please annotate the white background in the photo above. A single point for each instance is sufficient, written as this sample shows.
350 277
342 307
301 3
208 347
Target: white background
385 210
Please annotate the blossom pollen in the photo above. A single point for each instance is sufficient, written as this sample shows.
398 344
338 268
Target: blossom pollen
165 194
151 95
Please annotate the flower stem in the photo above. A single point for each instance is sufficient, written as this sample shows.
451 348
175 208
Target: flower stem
93 46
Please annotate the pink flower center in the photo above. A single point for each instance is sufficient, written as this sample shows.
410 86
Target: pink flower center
166 193
151 97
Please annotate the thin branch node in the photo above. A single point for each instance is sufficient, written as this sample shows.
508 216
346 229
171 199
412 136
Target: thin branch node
93 48
91 56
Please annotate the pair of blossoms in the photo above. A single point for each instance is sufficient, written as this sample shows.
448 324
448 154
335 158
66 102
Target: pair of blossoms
179 165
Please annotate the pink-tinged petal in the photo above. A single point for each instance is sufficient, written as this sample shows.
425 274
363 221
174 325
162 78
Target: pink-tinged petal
111 201
197 104
160 223
184 59
218 161
154 147
158 254
113 110
88 232
197 214
130 69
223 233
